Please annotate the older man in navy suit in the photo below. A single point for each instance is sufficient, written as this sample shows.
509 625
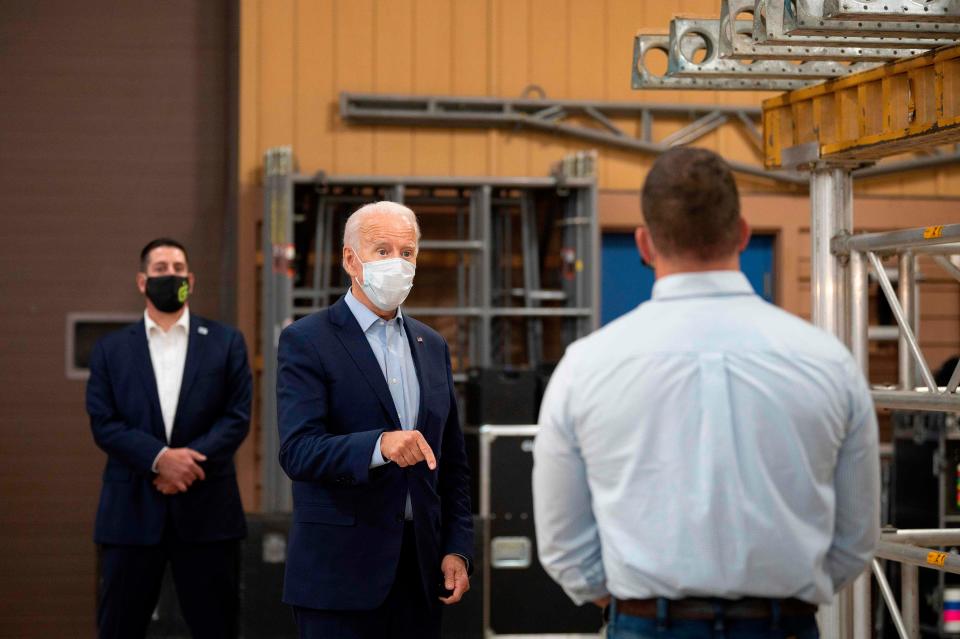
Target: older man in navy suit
370 436
169 402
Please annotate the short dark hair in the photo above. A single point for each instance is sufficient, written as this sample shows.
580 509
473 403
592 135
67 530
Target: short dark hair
157 243
691 206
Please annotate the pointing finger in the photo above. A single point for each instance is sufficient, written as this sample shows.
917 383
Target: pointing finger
427 452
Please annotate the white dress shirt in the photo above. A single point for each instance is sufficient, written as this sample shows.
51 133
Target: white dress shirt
168 355
706 444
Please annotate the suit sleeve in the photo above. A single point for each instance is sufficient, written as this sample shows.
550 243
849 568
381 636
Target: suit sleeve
454 483
308 451
229 430
133 446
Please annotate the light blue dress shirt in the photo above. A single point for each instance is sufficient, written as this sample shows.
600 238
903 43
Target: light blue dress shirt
706 444
390 346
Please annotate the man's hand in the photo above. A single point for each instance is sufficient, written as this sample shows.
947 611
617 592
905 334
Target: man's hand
164 486
406 448
455 578
179 467
603 602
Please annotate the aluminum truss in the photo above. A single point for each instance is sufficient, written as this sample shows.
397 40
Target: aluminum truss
524 254
810 17
594 121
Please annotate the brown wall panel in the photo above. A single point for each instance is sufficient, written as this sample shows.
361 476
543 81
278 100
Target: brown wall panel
113 132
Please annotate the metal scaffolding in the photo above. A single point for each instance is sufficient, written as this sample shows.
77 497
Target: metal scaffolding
608 122
522 255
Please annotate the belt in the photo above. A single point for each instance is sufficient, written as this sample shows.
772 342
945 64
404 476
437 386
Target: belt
705 609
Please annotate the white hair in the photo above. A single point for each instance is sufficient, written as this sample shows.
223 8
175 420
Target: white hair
351 230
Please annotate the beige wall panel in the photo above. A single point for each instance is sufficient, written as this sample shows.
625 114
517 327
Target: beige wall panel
353 71
432 74
549 37
949 182
316 97
586 44
393 73
471 76
511 75
277 123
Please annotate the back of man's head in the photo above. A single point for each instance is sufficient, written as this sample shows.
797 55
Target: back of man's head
691 206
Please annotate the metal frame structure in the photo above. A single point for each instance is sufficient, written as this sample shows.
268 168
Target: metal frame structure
822 17
594 121
491 224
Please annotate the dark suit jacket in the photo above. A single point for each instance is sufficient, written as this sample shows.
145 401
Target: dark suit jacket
333 404
213 417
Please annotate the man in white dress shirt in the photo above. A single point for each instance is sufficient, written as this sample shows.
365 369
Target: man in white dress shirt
707 464
169 403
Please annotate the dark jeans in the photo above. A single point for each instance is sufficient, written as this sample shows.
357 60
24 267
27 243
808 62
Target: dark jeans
623 626
406 613
206 576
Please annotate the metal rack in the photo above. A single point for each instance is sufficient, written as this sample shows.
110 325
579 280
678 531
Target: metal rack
519 259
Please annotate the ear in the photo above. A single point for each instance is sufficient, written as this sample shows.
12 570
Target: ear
351 264
744 235
142 283
645 245
191 280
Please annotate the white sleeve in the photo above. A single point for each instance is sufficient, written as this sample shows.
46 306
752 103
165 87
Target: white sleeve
857 486
567 538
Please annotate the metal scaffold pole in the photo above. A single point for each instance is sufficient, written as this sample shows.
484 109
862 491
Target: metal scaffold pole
831 209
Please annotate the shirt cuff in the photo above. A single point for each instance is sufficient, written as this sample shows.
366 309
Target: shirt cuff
466 561
153 467
376 459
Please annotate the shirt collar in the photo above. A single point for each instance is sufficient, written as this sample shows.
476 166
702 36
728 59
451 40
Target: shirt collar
364 316
702 284
183 322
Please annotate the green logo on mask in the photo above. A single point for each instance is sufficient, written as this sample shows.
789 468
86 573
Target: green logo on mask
182 292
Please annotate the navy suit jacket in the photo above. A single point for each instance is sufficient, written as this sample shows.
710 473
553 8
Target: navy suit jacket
333 404
213 417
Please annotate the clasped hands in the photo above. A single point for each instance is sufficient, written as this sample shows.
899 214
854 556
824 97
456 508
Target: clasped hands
177 469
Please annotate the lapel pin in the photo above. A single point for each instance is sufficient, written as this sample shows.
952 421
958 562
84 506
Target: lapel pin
202 330
420 340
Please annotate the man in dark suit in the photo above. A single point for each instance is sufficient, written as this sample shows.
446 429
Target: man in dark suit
169 402
370 436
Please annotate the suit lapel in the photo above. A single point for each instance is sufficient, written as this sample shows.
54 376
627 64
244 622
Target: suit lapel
144 366
195 344
416 345
356 344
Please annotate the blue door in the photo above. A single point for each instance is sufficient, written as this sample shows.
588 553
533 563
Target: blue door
626 282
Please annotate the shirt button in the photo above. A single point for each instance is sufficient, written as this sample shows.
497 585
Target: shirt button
393 381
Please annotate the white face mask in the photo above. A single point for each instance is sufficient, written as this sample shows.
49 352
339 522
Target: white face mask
387 282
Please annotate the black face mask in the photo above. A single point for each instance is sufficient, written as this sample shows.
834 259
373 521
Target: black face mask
168 293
